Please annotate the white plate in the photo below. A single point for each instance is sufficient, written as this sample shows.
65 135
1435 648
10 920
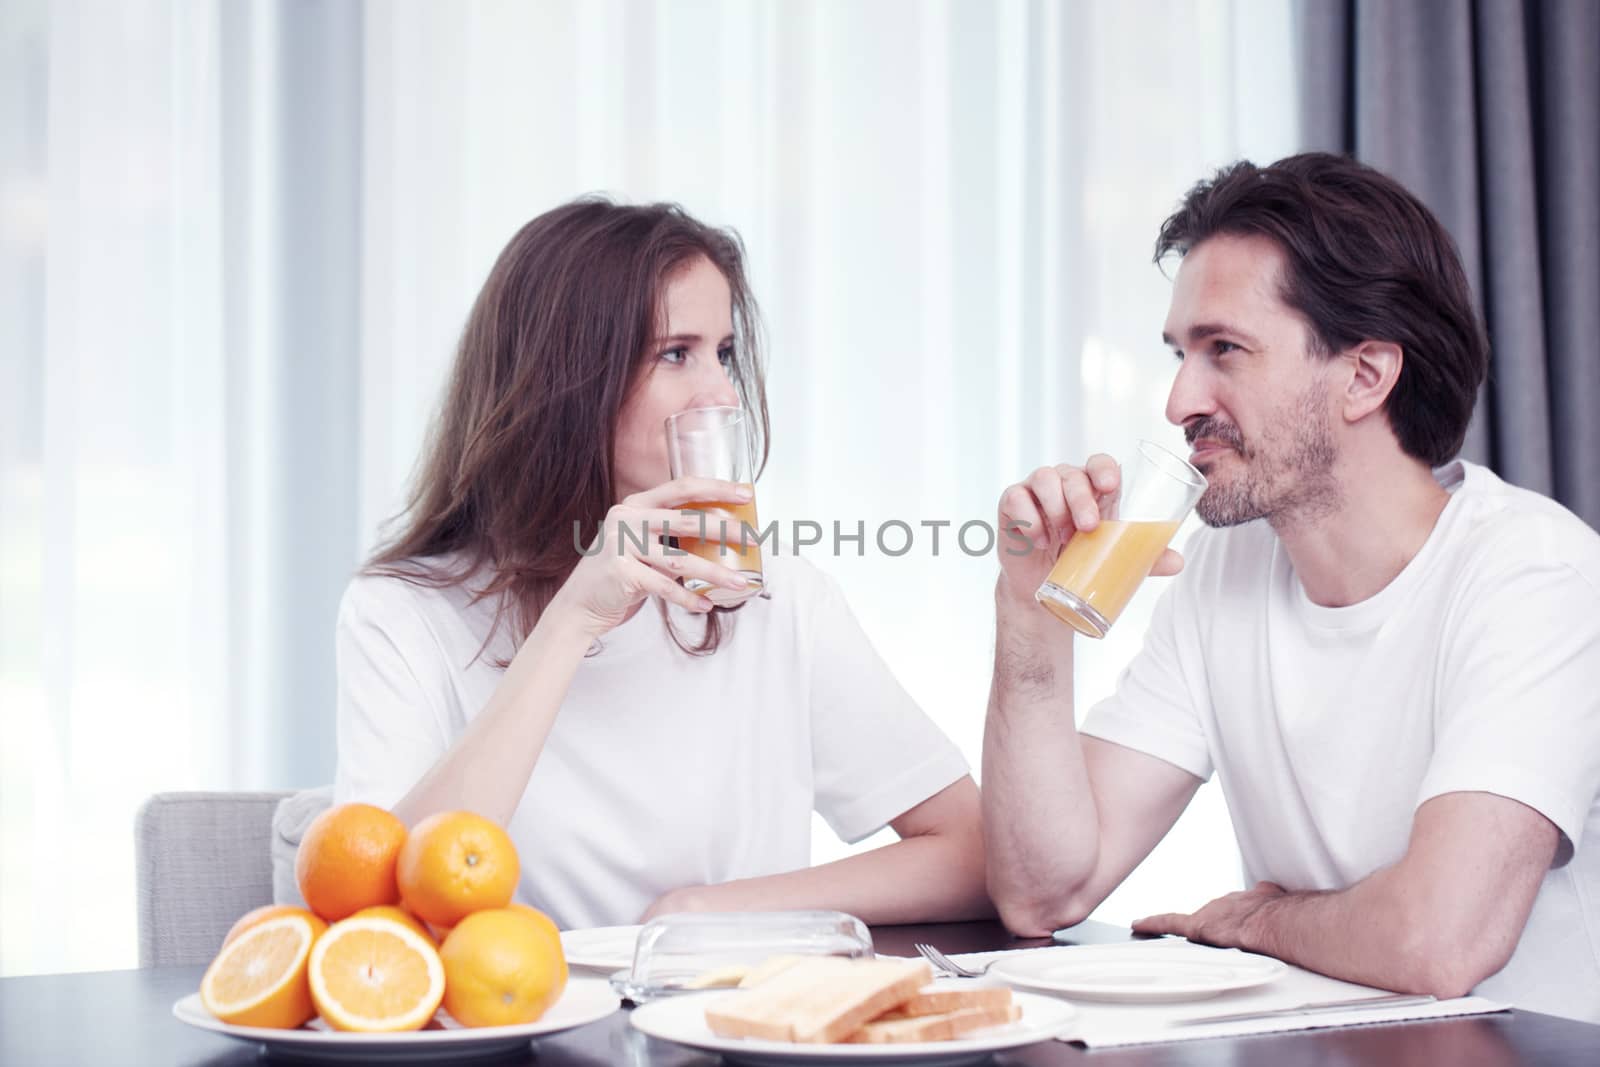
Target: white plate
1117 973
585 1000
600 948
682 1020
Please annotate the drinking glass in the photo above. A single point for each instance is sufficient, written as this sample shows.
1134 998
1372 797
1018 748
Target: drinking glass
1098 571
715 443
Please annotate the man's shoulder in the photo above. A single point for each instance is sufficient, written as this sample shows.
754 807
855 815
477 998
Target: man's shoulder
1504 527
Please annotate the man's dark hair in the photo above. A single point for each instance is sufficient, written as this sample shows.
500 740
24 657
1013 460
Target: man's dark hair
1366 261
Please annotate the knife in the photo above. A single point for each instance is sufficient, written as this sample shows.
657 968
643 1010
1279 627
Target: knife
1317 1008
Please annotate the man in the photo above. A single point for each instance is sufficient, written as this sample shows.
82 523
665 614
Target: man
1391 660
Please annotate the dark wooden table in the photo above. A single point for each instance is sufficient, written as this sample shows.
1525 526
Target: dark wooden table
125 1017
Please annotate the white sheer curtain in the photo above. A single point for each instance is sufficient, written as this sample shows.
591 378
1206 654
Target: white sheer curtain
113 602
239 242
178 234
949 208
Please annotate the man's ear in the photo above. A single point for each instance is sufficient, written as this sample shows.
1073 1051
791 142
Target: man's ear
1374 370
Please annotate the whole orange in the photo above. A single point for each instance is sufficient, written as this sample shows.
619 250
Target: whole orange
347 860
455 863
257 916
502 967
545 923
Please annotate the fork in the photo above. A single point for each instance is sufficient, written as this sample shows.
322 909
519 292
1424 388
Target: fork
948 965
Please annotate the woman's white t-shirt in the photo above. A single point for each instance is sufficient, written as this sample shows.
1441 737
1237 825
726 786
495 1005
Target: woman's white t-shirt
663 769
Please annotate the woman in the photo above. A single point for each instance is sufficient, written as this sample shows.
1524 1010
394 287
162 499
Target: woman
643 761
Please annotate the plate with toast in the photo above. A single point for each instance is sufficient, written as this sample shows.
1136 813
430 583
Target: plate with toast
856 1011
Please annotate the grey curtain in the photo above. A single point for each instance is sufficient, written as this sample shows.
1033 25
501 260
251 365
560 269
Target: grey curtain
1489 110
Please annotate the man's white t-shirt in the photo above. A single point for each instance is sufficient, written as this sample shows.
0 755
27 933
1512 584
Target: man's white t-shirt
663 769
1476 669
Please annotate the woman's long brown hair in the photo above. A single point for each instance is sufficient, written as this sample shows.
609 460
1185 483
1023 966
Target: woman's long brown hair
522 449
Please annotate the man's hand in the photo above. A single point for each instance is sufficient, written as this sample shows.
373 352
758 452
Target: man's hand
1039 514
1225 922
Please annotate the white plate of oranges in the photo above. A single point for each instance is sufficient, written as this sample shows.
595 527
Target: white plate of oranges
584 1001
410 947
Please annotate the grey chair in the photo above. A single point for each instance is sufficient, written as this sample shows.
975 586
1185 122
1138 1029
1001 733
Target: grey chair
203 860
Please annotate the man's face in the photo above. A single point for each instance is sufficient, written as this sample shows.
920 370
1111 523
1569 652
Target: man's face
1254 402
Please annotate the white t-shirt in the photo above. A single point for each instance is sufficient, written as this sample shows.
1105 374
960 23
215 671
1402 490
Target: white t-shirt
1476 669
663 770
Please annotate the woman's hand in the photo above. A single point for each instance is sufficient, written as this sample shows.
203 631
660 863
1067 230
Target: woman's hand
686 898
622 568
1039 514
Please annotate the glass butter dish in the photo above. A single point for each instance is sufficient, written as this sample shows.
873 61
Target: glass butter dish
693 951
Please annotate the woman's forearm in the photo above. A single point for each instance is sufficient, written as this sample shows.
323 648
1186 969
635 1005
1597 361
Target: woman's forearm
935 877
488 767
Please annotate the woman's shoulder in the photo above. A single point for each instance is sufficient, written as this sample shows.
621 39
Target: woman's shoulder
797 582
800 600
412 589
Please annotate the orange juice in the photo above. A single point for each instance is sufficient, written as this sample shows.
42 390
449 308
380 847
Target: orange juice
1098 572
741 552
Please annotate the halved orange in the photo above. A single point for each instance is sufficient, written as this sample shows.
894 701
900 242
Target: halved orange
375 974
259 978
399 915
257 916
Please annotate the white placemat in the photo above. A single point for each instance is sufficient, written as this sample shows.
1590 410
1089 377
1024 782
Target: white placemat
1102 1025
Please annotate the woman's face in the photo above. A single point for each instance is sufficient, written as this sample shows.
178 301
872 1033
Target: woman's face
686 367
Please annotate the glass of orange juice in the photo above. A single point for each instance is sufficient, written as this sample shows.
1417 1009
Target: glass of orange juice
715 443
1097 572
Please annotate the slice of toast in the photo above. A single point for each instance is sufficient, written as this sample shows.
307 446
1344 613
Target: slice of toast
768 1011
939 1000
817 1000
934 1027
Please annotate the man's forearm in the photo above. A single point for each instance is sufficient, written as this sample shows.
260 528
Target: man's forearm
1377 933
1041 826
1331 933
1370 933
1448 915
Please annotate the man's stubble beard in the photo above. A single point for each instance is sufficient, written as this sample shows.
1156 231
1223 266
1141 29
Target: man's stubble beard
1287 476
